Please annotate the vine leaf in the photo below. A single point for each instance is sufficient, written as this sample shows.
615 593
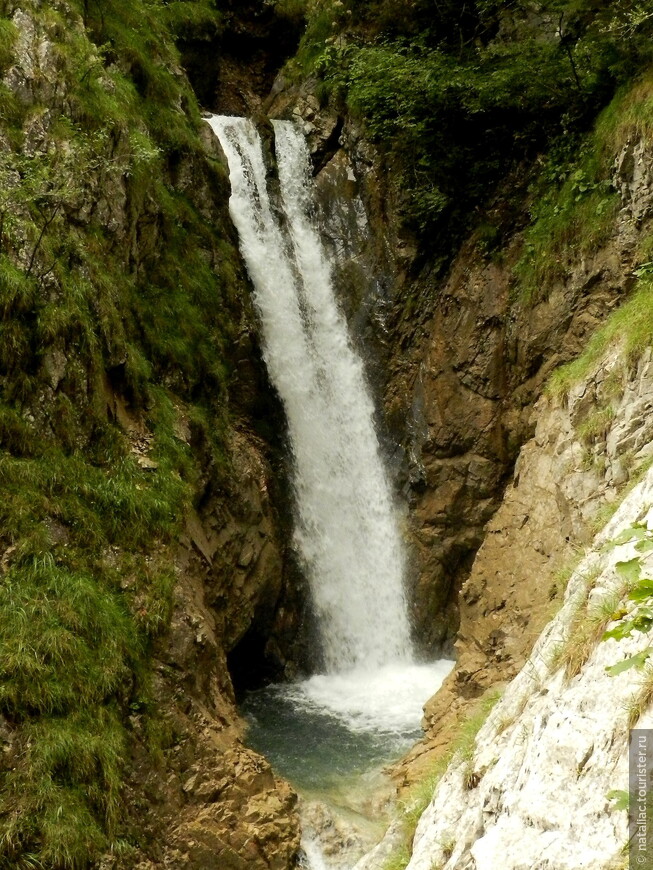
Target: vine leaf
636 661
643 591
630 571
620 798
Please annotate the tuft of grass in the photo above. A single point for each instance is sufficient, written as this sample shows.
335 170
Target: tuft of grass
8 35
629 117
630 327
295 10
564 573
564 228
398 860
586 631
642 700
596 425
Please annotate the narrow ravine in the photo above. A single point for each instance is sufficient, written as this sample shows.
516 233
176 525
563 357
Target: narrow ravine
365 707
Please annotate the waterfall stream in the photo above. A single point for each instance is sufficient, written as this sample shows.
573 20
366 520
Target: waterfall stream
366 708
347 530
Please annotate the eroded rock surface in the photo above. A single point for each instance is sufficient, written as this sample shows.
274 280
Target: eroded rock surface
552 734
559 728
578 464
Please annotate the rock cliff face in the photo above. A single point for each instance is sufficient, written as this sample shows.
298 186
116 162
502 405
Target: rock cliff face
211 802
580 460
193 794
555 732
552 732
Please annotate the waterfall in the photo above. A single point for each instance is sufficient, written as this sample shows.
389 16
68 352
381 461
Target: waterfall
346 527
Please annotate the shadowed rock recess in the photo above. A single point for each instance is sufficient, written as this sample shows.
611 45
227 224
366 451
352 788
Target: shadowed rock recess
485 194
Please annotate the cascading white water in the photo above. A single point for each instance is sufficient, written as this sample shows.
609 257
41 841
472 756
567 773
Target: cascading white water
366 709
347 528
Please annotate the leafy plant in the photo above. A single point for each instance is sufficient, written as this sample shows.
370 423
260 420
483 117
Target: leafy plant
640 619
453 107
620 799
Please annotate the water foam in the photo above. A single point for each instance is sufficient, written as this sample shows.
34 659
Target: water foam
386 700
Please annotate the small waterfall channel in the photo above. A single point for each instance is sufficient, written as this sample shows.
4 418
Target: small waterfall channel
365 709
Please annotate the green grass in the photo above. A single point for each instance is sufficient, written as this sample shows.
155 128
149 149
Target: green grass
630 328
66 794
596 425
77 629
575 204
564 573
8 34
586 631
398 860
568 222
145 312
642 698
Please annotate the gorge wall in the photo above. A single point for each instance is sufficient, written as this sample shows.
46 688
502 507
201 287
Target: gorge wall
141 460
143 446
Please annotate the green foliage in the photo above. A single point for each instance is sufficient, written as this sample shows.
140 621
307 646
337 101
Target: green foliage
454 105
186 17
570 218
620 799
636 661
105 325
640 587
574 202
80 597
68 641
8 35
140 36
398 860
596 424
74 763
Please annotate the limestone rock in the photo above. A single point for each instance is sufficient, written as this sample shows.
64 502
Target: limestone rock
550 735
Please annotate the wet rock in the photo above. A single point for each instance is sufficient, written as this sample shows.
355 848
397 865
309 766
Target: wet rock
338 839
